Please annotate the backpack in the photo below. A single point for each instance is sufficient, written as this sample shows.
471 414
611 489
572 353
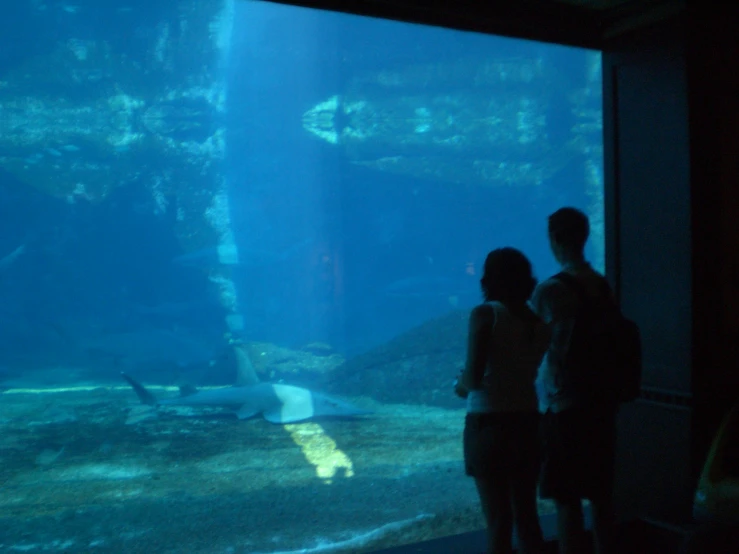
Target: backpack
603 359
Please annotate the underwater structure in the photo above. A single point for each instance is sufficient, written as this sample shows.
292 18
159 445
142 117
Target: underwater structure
486 122
90 116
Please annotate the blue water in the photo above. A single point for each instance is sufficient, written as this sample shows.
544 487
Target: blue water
381 228
110 253
331 252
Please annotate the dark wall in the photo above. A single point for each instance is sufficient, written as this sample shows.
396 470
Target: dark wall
651 189
649 220
713 85
672 177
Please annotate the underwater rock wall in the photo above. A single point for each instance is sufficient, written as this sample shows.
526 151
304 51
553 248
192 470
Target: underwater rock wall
129 95
417 367
91 115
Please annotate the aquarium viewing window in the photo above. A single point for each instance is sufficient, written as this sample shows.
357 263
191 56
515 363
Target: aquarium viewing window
240 247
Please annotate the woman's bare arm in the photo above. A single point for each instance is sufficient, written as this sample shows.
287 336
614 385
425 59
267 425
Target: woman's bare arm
480 328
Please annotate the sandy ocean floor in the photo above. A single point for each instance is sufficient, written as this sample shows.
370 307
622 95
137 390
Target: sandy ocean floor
86 470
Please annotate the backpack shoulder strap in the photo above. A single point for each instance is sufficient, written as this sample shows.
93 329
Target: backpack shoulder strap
605 287
579 288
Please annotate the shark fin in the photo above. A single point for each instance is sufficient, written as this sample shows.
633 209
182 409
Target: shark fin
245 374
144 395
245 412
187 390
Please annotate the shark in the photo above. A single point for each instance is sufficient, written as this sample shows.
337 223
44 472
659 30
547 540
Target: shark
248 397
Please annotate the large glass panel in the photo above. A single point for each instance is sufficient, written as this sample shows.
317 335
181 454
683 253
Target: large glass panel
207 193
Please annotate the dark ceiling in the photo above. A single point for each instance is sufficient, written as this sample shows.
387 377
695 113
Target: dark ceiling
586 23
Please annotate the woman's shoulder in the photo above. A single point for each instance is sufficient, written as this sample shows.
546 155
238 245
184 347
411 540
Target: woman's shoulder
482 320
484 311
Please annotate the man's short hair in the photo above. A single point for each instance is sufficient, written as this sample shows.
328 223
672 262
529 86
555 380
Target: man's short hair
570 228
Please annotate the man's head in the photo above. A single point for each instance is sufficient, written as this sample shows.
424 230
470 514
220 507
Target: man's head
568 232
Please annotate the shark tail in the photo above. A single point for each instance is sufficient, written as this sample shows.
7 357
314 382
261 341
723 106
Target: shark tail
144 395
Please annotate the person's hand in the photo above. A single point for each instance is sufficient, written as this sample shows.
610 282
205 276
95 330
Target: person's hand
459 389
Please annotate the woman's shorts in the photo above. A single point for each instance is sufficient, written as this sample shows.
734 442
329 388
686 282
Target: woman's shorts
500 443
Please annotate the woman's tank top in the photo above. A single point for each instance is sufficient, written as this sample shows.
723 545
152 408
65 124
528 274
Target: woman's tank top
515 351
